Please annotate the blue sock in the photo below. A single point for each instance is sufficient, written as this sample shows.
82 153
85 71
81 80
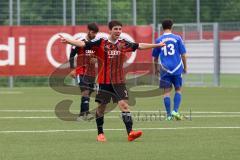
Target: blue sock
177 101
167 103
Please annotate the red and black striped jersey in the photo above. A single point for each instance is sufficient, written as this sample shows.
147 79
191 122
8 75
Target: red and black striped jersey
111 57
84 64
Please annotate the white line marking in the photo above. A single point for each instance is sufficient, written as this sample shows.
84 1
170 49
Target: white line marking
11 92
135 117
28 117
193 116
6 110
197 112
91 130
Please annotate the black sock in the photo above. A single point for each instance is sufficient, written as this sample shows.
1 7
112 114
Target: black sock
84 104
100 121
127 119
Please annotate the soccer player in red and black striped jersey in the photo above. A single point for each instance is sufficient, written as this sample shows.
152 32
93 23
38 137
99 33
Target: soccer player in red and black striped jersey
111 52
85 71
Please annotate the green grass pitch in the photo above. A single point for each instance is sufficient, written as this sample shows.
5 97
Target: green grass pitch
29 128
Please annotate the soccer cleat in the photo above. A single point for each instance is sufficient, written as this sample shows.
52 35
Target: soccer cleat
134 134
169 118
176 115
101 138
85 117
80 118
89 116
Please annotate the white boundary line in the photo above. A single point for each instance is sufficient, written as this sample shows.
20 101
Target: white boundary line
18 110
91 130
135 117
11 92
198 112
28 117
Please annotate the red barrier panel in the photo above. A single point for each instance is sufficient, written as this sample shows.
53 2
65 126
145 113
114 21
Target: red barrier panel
36 50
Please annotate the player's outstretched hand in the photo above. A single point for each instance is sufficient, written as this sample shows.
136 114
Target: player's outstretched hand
63 39
73 73
161 44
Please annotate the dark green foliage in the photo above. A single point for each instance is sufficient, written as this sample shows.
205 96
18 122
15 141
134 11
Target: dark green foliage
50 12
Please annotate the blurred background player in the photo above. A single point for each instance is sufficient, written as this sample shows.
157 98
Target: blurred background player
111 79
85 71
172 60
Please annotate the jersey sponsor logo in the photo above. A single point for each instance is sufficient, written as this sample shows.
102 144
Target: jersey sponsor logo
89 52
113 53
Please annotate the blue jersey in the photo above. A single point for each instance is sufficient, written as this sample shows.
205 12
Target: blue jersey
170 55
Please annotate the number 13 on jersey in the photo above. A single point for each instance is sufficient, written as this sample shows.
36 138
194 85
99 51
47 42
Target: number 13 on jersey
168 49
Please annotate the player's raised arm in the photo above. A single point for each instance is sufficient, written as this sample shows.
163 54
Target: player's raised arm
72 41
149 45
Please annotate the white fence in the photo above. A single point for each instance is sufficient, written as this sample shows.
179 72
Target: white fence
201 56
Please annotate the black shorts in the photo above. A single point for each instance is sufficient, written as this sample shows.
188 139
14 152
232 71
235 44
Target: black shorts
86 83
116 92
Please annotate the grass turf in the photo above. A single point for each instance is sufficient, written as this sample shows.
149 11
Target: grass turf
196 139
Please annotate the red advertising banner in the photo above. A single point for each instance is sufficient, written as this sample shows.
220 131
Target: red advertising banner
37 51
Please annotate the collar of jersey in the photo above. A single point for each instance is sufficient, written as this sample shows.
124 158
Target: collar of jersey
167 33
113 42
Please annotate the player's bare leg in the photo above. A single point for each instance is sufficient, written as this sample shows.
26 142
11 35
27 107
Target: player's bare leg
85 93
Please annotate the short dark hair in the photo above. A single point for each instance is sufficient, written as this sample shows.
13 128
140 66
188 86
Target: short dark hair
167 24
93 27
114 23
